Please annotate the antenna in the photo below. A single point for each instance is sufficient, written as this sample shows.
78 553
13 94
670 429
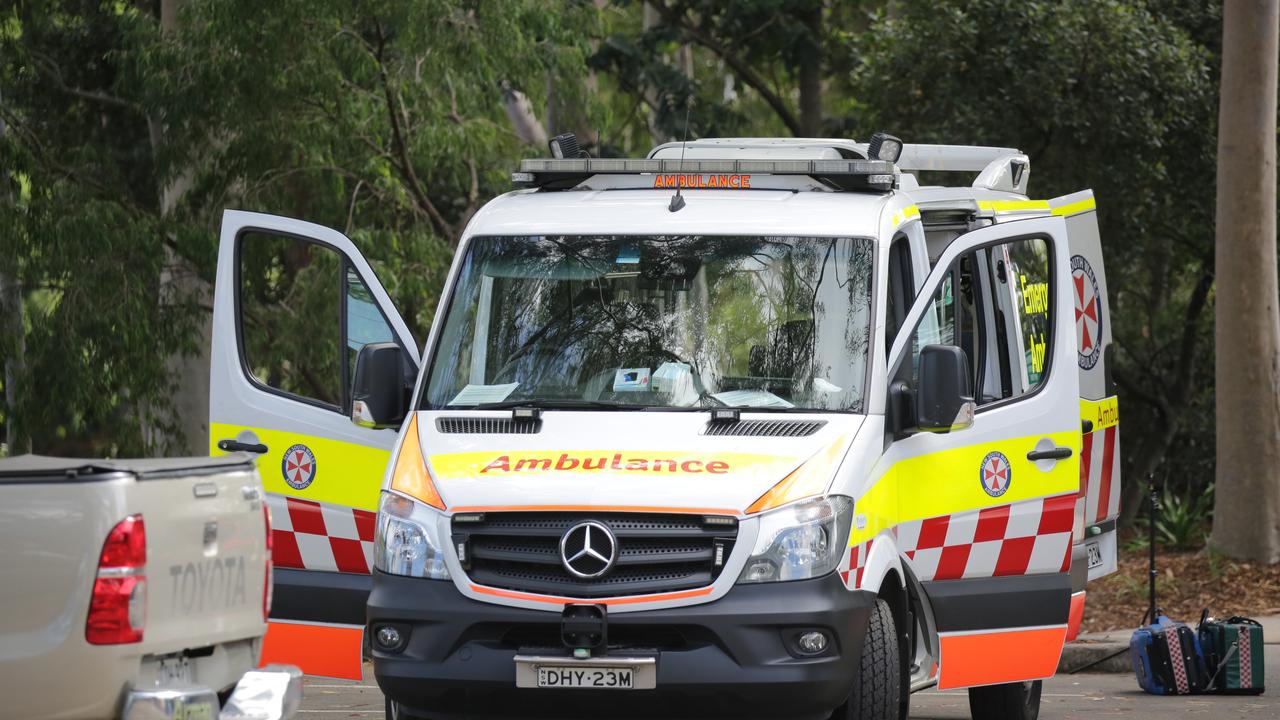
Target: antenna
677 200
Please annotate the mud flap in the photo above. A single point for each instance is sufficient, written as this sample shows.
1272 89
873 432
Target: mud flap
1002 656
320 649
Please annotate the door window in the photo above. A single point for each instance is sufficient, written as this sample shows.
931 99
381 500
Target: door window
995 304
290 304
304 314
1023 292
901 289
951 318
365 322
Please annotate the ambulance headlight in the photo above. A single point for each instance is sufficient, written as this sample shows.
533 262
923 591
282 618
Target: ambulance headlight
800 541
407 540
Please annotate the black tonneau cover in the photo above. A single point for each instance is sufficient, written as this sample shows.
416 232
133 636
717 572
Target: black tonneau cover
42 468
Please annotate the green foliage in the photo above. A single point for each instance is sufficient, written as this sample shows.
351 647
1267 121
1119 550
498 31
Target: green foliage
733 65
80 234
1107 94
1182 521
384 119
122 145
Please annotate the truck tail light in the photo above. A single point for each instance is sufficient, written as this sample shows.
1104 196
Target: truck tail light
118 607
1077 524
266 585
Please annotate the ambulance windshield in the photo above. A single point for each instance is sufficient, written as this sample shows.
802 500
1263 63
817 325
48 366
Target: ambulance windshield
627 321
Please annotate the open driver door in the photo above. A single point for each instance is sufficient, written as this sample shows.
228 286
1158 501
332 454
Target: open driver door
293 305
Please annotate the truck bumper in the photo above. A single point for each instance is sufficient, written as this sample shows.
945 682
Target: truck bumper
165 703
273 693
734 657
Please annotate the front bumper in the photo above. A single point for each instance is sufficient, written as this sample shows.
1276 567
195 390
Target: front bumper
727 658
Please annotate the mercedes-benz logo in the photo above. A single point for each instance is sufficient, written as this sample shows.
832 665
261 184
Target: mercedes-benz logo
588 549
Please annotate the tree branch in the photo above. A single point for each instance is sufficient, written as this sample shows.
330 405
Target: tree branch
401 150
739 66
46 66
473 192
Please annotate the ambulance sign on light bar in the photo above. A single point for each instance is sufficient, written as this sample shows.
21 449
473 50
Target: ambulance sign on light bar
732 182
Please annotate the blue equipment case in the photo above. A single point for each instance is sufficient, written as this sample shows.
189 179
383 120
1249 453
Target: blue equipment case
1167 659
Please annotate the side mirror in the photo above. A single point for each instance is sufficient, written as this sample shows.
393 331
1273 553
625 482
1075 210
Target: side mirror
944 400
378 394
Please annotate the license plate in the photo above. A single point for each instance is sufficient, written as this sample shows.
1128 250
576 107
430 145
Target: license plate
597 673
175 671
562 676
1095 554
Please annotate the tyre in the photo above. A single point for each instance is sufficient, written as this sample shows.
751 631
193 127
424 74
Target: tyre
1011 701
877 691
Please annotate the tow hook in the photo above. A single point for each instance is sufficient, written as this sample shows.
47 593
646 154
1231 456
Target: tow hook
584 628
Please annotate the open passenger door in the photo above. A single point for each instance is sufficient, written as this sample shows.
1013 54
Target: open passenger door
982 472
293 305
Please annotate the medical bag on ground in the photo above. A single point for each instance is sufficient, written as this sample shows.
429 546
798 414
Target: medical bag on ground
1233 654
1166 658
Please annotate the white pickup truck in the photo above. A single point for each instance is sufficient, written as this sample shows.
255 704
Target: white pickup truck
136 589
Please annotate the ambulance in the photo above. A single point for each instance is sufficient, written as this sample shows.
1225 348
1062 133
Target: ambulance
748 428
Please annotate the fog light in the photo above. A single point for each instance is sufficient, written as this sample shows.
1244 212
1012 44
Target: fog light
812 642
388 637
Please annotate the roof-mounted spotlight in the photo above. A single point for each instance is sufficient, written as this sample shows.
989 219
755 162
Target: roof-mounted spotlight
565 145
884 146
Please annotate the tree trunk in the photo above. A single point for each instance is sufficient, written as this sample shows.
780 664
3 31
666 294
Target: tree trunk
180 281
811 75
11 327
523 120
1246 522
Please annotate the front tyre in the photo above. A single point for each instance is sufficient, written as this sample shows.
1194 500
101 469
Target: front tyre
1011 701
876 693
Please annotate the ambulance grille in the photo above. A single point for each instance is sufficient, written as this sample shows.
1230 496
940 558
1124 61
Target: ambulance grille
488 426
657 552
765 428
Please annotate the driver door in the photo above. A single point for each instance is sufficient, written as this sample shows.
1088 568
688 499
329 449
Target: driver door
293 305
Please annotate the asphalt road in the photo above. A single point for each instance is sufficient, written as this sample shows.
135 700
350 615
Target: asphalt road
1065 696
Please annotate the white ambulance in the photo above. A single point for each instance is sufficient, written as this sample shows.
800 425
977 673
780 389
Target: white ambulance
747 428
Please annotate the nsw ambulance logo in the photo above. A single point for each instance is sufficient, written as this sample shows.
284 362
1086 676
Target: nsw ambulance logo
1088 312
298 466
995 474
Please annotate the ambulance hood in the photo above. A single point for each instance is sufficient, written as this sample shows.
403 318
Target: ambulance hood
615 459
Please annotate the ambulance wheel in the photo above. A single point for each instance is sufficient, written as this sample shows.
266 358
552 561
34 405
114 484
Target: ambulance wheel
875 694
1011 701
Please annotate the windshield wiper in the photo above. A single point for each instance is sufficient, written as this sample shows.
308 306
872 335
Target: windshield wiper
554 404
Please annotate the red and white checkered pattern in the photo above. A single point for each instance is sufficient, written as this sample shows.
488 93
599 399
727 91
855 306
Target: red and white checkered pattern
1175 657
1100 473
856 563
1023 538
314 536
1246 658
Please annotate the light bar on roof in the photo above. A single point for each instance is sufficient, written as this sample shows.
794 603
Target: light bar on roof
563 174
